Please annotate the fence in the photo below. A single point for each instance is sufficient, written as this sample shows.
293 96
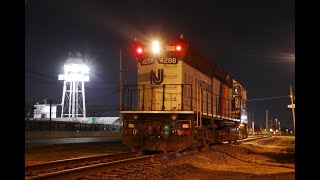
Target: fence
45 125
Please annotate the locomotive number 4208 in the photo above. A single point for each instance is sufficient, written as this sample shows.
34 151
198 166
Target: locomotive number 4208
168 60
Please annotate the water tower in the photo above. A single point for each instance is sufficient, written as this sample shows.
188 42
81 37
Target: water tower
73 95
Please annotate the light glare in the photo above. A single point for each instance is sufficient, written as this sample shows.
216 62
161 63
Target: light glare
85 69
155 47
178 48
139 50
76 68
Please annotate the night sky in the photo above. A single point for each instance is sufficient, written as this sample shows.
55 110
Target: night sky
254 41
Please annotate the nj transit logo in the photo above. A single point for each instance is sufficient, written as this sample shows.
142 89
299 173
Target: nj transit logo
157 79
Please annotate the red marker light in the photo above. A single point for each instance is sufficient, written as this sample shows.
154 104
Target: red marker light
178 48
139 50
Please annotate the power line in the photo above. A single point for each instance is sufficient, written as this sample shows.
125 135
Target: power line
267 98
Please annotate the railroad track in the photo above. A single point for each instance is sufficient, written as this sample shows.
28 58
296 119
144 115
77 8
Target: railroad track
158 160
107 166
253 138
83 171
38 170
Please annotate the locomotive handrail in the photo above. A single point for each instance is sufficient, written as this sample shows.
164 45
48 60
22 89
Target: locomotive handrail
205 101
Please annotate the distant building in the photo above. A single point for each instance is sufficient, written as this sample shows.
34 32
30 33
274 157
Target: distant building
43 111
92 120
108 120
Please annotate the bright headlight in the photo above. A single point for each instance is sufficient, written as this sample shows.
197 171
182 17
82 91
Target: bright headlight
155 47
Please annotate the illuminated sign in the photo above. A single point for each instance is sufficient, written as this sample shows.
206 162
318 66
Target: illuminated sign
73 77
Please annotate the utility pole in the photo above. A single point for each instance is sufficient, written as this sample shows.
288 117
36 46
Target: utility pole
197 107
249 118
120 116
266 120
279 129
201 104
292 107
252 125
260 124
50 113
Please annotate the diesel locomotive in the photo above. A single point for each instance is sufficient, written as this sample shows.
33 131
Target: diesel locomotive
182 99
